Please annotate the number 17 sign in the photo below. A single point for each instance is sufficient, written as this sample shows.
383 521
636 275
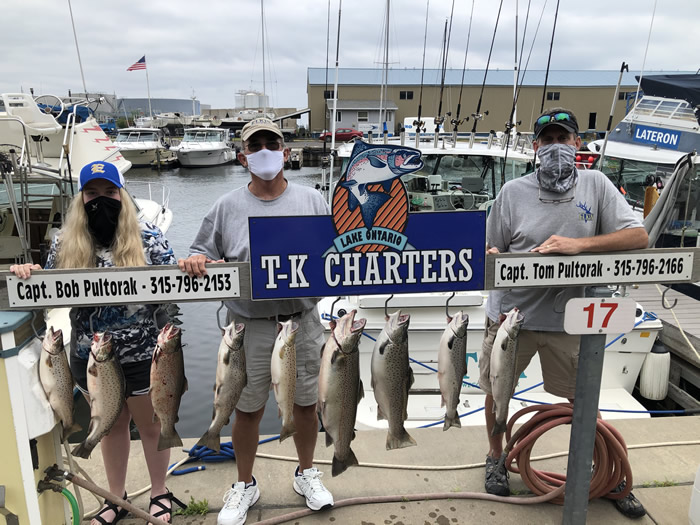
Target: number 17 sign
603 315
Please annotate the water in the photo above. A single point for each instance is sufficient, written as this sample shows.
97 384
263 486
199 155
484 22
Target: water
192 193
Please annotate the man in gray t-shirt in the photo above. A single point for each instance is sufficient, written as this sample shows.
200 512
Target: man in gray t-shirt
223 235
555 210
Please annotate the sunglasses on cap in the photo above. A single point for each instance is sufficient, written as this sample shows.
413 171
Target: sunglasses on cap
557 117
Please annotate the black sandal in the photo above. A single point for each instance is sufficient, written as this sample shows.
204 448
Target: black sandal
165 510
119 512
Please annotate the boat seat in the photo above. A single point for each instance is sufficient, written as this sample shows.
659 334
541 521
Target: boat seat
23 106
486 206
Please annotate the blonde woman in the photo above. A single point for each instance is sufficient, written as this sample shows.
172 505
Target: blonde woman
101 230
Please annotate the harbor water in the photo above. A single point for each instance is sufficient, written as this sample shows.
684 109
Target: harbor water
192 193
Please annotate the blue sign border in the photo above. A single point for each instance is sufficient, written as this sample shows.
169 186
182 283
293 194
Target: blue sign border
296 257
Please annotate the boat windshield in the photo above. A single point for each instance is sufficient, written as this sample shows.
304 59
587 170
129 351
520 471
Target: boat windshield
136 137
481 172
633 176
203 136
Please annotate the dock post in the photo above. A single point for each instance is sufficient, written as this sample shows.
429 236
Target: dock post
583 428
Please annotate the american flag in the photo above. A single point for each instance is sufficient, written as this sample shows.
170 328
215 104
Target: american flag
140 64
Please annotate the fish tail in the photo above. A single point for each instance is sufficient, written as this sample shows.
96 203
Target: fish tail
72 429
340 466
498 428
402 441
83 450
452 421
210 440
288 429
169 439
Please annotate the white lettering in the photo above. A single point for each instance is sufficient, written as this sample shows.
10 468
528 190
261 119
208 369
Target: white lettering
464 256
298 277
352 269
372 275
392 260
332 259
429 275
410 259
447 261
271 263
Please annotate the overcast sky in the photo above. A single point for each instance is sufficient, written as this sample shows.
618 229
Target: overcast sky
214 47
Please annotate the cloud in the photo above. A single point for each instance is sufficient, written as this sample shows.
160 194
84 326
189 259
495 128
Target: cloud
214 47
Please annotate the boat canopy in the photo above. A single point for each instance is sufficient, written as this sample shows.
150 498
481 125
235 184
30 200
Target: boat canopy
684 87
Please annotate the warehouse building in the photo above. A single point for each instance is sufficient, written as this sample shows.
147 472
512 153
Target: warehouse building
589 94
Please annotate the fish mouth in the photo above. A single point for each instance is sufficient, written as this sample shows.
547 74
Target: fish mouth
54 336
358 326
104 350
403 319
239 328
411 160
169 332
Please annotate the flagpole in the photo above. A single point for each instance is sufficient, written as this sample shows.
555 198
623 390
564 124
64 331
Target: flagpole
148 89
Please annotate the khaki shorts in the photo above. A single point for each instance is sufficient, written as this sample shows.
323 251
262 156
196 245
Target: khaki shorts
558 358
259 341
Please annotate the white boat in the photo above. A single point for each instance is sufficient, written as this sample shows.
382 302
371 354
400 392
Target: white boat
467 176
40 178
204 147
644 147
143 146
624 357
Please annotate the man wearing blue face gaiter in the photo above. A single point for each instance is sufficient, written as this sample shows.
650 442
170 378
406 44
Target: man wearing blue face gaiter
558 209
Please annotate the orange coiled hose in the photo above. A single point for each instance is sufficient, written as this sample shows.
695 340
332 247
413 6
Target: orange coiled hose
610 463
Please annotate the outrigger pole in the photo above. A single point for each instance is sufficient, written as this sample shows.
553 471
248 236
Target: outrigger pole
335 107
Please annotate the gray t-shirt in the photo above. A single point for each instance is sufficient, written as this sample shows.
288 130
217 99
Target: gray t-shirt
224 235
519 221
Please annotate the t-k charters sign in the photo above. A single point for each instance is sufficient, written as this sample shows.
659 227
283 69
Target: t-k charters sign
370 244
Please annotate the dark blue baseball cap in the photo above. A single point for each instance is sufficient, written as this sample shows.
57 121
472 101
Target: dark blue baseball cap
100 170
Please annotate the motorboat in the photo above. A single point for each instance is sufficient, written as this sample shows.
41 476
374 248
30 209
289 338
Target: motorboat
467 176
143 146
624 357
204 147
644 147
40 160
205 121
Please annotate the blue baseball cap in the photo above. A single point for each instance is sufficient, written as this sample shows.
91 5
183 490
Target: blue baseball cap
100 170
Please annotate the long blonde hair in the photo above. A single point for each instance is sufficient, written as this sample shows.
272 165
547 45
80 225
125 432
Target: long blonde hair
77 249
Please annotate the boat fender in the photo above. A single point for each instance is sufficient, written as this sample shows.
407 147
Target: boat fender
653 379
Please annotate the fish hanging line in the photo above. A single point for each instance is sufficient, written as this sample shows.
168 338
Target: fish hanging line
455 121
417 123
476 114
549 60
445 52
521 81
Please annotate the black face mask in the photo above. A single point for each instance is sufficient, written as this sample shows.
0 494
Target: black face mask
103 217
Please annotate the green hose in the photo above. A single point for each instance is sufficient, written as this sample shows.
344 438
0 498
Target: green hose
73 505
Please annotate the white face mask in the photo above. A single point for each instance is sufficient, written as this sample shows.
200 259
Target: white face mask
265 164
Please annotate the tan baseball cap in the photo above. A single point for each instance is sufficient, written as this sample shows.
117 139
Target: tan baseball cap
260 124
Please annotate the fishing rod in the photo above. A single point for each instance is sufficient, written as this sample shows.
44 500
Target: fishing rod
325 98
418 124
455 121
620 185
442 86
335 105
439 119
521 80
549 60
477 116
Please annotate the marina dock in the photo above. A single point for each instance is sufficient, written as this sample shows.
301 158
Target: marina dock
663 478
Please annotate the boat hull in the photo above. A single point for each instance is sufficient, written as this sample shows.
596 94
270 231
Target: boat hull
197 159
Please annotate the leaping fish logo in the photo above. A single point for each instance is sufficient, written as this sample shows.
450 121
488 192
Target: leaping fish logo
379 164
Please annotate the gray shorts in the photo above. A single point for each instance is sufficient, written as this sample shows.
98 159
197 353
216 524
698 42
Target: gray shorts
558 358
259 341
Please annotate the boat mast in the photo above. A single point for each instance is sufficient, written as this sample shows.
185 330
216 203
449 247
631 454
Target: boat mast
262 18
77 48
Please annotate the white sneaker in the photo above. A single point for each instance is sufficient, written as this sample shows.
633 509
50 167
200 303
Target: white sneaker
237 500
309 485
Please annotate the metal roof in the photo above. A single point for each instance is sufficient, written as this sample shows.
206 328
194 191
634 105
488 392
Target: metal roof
362 104
474 77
